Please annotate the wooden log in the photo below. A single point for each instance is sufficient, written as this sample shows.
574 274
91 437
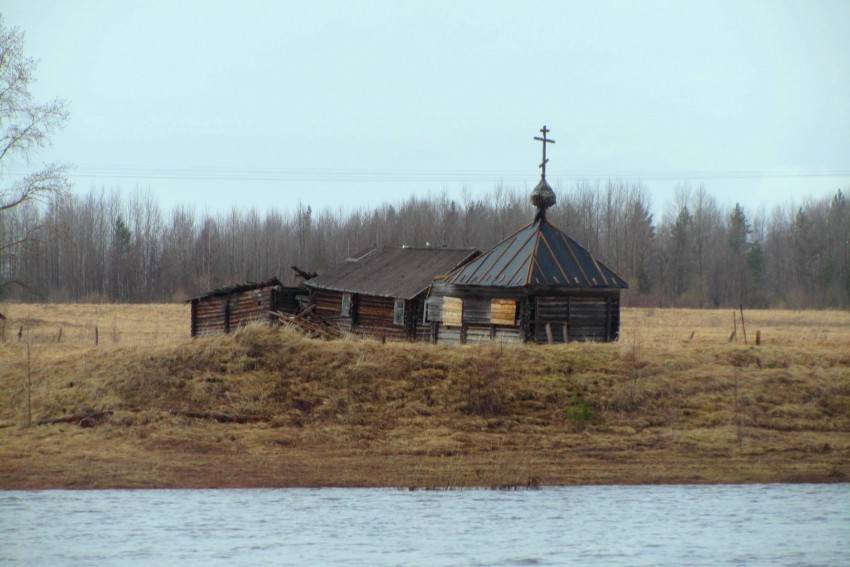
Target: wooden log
318 328
222 417
85 420
306 312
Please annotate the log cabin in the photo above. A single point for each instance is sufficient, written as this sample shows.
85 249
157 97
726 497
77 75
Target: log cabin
381 291
536 285
225 309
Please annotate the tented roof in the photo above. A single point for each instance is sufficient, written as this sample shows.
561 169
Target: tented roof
537 255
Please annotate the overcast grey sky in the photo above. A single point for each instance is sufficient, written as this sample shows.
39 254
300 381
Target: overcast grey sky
358 102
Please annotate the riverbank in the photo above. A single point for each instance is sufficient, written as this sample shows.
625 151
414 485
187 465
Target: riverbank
270 408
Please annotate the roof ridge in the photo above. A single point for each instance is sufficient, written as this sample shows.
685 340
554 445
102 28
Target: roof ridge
458 249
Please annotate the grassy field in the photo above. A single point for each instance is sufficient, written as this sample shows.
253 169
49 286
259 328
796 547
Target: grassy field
673 401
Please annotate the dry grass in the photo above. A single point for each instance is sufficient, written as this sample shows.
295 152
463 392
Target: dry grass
714 326
659 406
116 325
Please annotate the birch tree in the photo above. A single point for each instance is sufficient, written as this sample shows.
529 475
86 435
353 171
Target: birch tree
26 126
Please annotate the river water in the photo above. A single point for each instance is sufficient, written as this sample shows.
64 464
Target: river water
594 525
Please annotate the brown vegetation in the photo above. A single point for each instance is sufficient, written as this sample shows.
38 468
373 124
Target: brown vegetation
673 401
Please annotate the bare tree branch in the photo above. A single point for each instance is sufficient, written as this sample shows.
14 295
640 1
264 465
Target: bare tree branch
39 186
25 125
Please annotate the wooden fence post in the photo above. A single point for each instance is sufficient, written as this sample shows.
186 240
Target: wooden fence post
734 334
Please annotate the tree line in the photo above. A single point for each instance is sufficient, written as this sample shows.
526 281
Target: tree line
105 246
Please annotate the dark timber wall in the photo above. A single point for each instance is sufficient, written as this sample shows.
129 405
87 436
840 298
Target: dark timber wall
371 315
584 318
223 312
542 316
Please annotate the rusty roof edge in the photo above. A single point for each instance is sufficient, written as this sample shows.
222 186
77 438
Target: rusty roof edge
473 254
600 270
461 266
533 256
564 237
555 258
600 265
515 254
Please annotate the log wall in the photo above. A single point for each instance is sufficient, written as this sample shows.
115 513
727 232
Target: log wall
372 315
375 318
571 314
225 313
328 307
209 316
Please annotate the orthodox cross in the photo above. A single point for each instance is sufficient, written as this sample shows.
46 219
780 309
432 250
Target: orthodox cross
545 141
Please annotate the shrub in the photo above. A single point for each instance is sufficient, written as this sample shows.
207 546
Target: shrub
579 413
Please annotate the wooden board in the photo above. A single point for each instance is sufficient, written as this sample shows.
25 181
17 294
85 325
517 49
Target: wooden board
452 311
502 311
447 336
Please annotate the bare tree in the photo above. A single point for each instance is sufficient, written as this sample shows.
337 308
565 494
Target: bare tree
25 126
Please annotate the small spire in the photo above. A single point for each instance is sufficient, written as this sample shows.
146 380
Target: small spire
543 196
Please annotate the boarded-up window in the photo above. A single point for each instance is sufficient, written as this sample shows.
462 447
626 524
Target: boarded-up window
502 311
453 311
345 310
398 312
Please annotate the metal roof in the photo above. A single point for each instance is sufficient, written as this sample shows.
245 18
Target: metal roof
392 272
537 255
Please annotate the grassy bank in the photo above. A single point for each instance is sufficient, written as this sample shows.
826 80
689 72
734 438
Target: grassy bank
673 401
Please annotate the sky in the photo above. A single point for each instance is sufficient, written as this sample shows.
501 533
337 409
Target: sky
351 104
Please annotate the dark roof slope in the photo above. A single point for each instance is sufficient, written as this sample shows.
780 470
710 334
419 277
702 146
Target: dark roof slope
392 272
537 255
238 288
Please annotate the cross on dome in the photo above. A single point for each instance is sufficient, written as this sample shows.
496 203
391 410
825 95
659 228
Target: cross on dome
545 141
543 197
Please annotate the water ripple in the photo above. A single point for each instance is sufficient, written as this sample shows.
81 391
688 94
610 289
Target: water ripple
642 526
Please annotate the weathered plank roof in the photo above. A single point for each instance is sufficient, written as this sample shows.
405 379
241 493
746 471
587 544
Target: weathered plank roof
238 288
392 272
537 255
